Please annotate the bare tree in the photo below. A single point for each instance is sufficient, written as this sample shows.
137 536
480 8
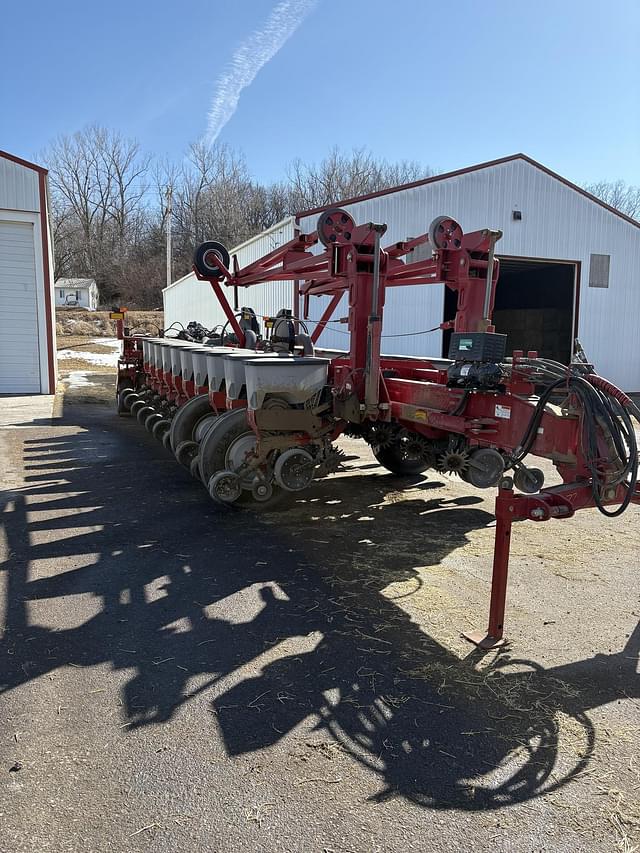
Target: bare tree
98 183
109 205
341 176
618 194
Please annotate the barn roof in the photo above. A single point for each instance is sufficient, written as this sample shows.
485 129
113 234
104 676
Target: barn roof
443 177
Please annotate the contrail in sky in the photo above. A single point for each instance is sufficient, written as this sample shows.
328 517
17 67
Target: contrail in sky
254 52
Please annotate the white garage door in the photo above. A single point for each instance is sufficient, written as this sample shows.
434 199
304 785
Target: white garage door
19 341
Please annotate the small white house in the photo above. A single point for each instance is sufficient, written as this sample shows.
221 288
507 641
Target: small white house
76 293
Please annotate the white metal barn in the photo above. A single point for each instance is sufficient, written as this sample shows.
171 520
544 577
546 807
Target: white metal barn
27 340
569 267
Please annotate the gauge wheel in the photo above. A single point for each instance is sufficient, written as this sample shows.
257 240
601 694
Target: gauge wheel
187 418
224 448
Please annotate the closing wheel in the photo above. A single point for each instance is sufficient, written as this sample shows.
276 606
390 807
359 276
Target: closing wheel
225 448
445 233
335 226
294 469
207 256
194 469
185 452
166 440
136 406
528 480
121 408
187 418
261 491
160 428
143 413
224 487
151 421
484 468
405 456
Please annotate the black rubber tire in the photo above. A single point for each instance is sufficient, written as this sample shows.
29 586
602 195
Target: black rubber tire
150 422
203 255
143 413
187 419
160 428
136 406
185 452
213 450
393 460
121 408
193 468
166 441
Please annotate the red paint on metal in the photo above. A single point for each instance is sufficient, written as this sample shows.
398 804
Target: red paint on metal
48 307
326 316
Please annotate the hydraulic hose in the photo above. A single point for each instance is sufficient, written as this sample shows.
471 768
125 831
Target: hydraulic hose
607 414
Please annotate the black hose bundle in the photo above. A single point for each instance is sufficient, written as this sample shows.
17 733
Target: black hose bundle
607 417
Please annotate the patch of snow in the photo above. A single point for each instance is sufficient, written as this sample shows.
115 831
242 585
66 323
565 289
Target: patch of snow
77 379
114 343
107 359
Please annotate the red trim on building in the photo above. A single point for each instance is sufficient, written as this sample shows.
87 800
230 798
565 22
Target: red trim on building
46 271
22 162
42 185
434 178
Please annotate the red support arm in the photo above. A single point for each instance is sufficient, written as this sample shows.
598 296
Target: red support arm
326 316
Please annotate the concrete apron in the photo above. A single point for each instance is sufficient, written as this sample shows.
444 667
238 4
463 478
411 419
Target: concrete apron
28 411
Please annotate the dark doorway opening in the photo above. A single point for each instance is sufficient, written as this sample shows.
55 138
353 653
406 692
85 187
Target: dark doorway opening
534 307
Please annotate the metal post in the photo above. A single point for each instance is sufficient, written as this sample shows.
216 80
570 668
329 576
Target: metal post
169 212
372 377
494 635
494 237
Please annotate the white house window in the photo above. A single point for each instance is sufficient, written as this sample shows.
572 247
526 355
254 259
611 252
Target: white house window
78 294
599 270
62 294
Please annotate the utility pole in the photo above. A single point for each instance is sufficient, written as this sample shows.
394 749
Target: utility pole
169 208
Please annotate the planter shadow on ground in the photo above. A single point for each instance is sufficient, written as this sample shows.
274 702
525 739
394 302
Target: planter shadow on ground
438 730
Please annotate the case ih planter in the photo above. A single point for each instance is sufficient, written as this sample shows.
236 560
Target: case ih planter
258 419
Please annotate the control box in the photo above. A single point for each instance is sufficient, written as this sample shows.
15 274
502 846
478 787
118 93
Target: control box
477 346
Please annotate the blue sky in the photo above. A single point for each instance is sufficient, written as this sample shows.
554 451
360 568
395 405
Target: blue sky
448 85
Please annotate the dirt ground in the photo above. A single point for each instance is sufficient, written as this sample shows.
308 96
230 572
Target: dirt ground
358 719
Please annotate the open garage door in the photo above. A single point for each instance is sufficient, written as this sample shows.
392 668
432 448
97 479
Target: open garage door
534 306
19 341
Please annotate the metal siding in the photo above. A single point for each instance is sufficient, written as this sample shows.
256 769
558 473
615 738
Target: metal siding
18 187
190 299
20 341
557 222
